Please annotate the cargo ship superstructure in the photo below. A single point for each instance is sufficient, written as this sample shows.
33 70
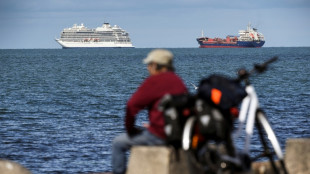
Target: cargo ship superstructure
246 38
105 36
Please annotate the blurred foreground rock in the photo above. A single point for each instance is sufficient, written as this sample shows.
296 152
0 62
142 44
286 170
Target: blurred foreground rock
10 167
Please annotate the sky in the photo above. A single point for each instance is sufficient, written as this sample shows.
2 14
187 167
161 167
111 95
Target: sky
27 24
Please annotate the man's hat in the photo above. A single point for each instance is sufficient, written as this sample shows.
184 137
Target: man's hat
159 56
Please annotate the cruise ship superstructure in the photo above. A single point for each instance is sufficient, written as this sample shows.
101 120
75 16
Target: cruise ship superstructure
80 36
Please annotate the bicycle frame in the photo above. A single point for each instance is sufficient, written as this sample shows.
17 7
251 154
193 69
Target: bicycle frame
248 110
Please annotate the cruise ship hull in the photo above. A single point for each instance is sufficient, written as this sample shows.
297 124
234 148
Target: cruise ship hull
105 36
94 44
238 44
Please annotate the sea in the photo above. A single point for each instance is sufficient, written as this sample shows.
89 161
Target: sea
61 108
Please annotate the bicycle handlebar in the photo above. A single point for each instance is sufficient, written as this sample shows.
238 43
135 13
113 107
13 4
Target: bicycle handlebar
260 68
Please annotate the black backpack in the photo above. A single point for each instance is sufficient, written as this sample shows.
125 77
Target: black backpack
211 122
176 109
218 94
221 91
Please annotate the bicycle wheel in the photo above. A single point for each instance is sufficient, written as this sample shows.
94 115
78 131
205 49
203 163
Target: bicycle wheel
264 129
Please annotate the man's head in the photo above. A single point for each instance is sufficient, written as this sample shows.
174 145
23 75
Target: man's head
159 60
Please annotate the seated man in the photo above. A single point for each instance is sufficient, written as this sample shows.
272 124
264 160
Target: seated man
162 80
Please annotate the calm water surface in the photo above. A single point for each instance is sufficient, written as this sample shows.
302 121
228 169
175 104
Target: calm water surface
61 108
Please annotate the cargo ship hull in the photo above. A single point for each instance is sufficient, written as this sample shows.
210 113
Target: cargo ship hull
248 38
238 44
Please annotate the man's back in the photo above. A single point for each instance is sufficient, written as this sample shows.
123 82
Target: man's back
148 96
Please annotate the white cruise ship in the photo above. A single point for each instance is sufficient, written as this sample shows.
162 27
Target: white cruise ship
105 36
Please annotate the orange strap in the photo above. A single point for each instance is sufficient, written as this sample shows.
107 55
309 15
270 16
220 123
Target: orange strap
195 141
216 96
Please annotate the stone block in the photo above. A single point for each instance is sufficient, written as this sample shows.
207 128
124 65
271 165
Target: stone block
297 156
156 160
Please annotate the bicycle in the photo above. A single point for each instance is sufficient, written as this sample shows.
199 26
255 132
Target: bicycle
207 152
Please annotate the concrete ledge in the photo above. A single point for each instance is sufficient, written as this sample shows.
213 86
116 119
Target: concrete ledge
163 160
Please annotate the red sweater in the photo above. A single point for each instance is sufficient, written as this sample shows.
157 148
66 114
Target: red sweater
148 96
